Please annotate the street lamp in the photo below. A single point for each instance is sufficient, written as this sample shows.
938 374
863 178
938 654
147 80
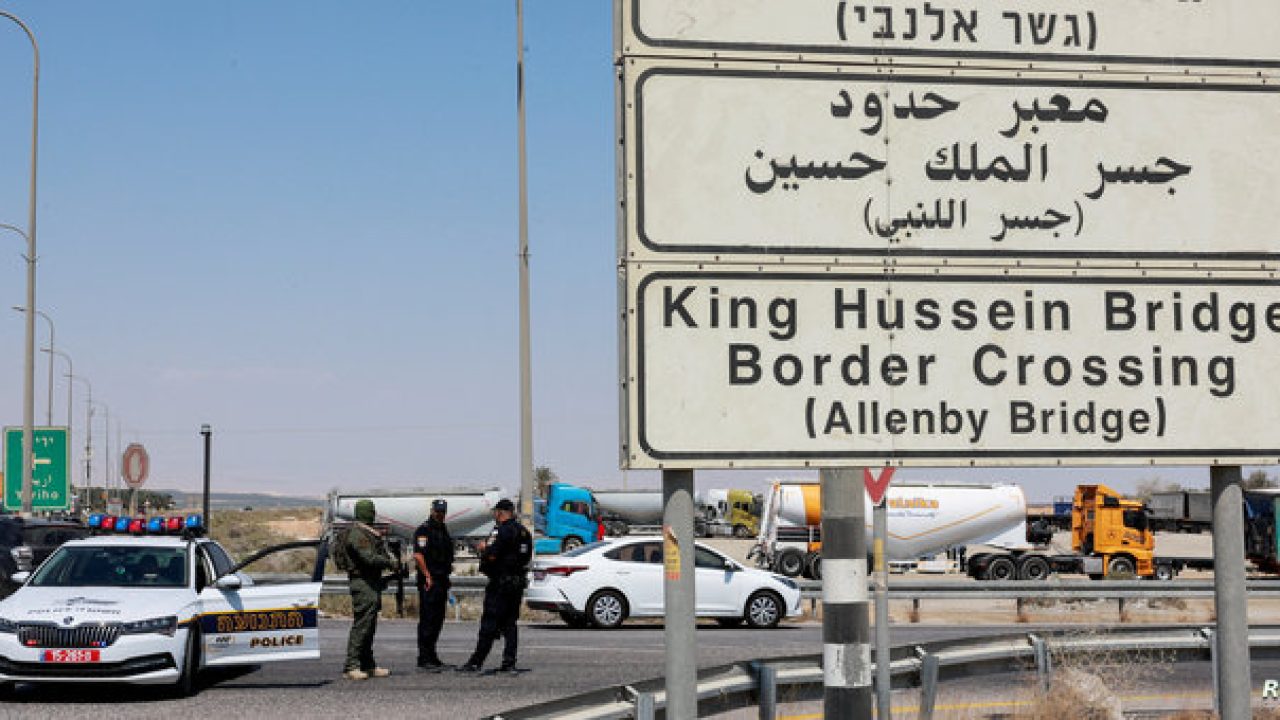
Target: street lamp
48 419
29 366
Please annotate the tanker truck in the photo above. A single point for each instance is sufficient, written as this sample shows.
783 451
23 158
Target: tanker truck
628 511
923 519
470 515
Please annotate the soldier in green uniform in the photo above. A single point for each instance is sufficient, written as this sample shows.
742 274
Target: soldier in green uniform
367 557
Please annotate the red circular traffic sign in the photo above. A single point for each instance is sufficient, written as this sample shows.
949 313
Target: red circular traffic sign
134 465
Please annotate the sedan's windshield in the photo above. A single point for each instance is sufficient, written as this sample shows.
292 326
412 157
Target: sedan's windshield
114 567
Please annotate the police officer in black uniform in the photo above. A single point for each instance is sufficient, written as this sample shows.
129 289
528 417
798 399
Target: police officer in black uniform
504 557
433 553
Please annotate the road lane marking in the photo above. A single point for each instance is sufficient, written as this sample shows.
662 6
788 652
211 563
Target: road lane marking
1012 703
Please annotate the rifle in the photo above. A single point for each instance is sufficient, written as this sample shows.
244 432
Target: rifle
396 547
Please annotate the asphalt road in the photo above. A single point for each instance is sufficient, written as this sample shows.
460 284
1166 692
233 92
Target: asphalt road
561 662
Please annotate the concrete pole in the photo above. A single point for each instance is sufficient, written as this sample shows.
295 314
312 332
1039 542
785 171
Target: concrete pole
679 630
526 375
846 647
1230 606
29 354
883 681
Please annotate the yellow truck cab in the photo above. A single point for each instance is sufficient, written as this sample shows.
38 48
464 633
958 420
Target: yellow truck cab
1106 525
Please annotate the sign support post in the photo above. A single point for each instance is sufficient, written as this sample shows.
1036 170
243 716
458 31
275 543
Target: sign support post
846 650
1230 608
877 486
883 681
679 623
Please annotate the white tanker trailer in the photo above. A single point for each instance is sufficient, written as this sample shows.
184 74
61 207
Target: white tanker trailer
923 519
470 515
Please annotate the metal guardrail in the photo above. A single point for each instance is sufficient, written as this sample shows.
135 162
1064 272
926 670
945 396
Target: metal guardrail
939 589
758 683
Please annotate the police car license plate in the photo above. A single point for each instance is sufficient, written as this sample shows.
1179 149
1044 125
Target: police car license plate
70 656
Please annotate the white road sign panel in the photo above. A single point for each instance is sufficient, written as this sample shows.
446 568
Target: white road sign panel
1156 32
734 159
761 369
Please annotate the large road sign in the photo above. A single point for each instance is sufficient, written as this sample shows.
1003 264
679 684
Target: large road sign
49 477
1053 224
1097 32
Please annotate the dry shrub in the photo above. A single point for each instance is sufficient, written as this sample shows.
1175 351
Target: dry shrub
1090 681
1076 695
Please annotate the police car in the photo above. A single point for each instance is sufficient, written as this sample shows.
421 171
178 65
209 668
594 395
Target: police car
151 602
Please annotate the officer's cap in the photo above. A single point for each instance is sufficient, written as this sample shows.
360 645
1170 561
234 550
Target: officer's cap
439 505
505 504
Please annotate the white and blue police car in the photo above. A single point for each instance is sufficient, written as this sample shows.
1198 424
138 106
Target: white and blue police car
151 601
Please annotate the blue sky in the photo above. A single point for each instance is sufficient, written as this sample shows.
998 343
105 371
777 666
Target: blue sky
296 221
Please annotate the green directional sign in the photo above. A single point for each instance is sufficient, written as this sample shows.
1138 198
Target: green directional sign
49 486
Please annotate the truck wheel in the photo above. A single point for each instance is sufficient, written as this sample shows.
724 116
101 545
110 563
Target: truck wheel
1002 568
741 531
1166 572
607 609
790 563
569 543
815 566
1033 567
1120 566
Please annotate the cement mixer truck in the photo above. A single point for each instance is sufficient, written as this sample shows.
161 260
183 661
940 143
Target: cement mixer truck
924 519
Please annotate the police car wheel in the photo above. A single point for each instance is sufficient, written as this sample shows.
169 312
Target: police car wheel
186 684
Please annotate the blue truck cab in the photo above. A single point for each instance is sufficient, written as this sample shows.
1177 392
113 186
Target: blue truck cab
567 518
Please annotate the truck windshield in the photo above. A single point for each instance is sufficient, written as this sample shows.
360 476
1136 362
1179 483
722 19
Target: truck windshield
114 567
1136 519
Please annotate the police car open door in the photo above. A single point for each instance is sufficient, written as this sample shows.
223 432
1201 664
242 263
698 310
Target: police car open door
256 618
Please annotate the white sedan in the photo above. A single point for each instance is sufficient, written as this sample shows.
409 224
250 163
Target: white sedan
152 610
604 583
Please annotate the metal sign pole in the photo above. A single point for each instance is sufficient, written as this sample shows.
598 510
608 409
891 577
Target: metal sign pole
846 650
1232 659
678 593
881 532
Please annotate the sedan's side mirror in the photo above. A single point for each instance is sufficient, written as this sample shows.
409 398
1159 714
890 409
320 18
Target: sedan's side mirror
731 566
228 582
20 577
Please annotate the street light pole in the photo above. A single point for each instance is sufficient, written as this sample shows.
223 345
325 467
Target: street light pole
526 375
88 438
71 377
29 364
48 418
